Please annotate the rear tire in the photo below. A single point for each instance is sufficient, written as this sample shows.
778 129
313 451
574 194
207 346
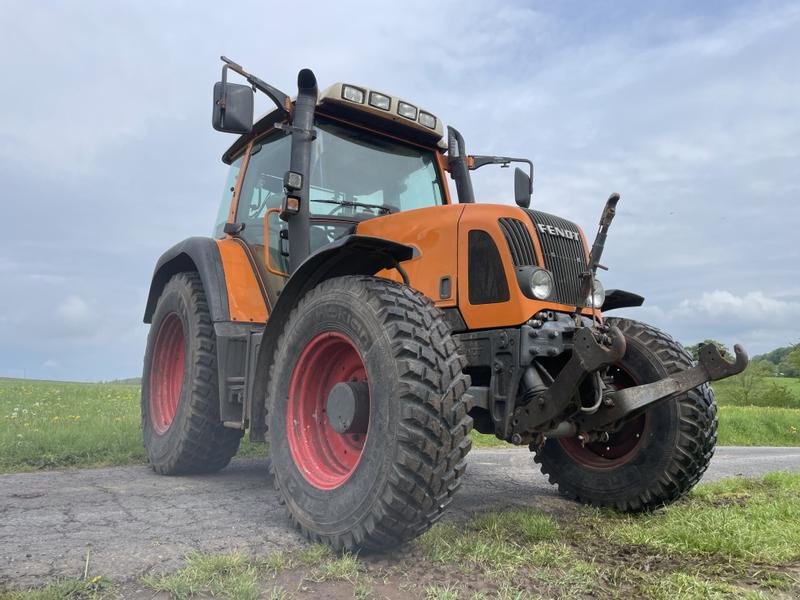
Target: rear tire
391 483
180 395
656 458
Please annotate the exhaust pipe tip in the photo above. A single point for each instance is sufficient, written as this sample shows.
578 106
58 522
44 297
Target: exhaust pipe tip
307 82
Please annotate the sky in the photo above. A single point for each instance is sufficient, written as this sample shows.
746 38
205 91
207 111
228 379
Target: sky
691 111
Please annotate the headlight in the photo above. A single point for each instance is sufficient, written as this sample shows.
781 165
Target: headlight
427 119
409 111
380 101
596 300
535 282
541 284
352 93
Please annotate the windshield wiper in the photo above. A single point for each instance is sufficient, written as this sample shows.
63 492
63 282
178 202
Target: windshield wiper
382 208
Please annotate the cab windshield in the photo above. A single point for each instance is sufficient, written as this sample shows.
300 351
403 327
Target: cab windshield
357 174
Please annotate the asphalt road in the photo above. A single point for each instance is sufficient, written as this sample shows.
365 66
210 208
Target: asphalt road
131 520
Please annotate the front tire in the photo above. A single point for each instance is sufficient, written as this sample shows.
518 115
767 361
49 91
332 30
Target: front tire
180 395
656 457
389 480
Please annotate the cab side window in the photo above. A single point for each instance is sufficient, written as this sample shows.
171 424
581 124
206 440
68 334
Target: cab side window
227 196
262 187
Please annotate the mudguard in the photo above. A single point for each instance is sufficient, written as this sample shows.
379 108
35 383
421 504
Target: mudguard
199 254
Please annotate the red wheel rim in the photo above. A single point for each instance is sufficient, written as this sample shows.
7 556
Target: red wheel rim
166 373
325 457
622 446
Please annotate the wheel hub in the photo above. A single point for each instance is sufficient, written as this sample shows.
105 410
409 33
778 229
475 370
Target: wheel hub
613 449
348 407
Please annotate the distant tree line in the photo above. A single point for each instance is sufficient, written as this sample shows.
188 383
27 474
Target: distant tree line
128 381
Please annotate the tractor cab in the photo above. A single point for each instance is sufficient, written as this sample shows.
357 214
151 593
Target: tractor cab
372 155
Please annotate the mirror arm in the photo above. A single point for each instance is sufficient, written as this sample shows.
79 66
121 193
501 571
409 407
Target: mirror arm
280 99
477 161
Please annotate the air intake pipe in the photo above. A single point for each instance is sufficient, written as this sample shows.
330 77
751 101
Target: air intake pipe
303 135
459 167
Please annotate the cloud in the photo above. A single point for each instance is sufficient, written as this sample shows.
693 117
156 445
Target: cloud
753 306
74 310
754 319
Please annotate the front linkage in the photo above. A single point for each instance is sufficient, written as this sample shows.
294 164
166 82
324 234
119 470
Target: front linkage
591 352
594 348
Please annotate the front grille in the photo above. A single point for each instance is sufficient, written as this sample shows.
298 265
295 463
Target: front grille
564 258
519 242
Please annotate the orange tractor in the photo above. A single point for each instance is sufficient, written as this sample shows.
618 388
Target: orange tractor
355 315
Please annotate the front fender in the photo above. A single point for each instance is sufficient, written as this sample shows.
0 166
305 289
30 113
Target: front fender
199 254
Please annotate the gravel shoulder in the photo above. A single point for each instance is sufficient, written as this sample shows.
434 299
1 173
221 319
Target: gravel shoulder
132 521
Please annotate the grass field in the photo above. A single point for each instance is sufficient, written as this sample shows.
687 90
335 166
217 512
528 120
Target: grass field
734 539
48 424
775 392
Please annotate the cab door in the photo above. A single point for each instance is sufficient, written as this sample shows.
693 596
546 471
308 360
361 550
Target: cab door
262 190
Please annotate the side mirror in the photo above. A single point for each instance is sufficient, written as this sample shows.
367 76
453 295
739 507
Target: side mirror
523 188
233 107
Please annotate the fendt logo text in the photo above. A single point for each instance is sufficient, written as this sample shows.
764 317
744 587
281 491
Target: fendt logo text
552 230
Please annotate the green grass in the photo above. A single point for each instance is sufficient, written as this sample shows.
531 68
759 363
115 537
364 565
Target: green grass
225 576
242 577
682 586
793 383
56 424
750 520
737 538
508 539
442 592
95 588
756 426
48 424
487 440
